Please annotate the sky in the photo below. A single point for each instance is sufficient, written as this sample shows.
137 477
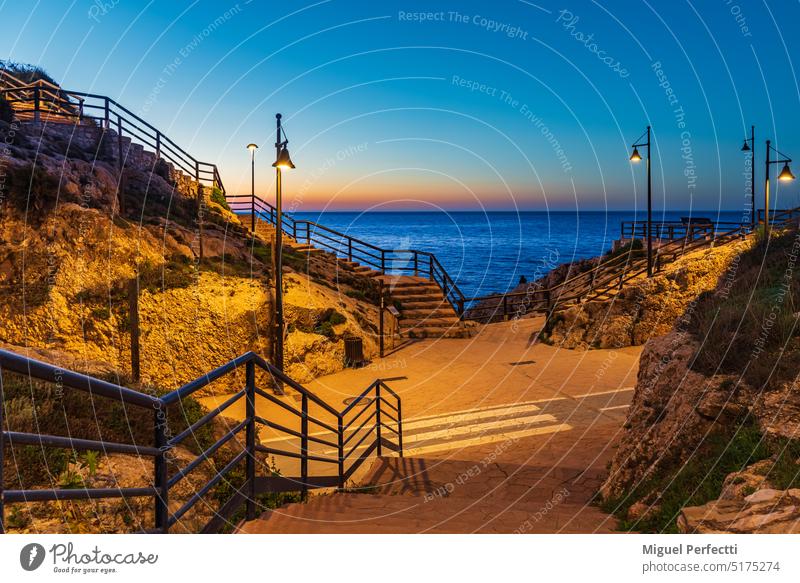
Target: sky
428 105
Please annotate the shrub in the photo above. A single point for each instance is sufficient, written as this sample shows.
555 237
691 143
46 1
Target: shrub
218 197
696 482
336 318
752 328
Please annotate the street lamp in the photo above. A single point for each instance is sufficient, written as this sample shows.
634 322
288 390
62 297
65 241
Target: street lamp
636 157
282 162
784 176
252 148
749 146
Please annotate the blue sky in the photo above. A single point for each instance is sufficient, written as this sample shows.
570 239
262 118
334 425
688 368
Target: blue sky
458 105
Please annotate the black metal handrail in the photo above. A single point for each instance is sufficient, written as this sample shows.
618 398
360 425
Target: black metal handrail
43 99
670 230
346 464
385 261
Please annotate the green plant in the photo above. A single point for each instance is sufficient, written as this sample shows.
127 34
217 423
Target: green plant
89 460
336 318
751 330
101 313
70 480
217 196
18 517
695 482
326 329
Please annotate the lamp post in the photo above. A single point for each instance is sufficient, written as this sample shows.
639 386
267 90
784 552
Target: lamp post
784 176
252 148
749 146
636 157
282 162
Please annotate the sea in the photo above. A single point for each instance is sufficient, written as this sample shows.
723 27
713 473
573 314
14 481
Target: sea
488 252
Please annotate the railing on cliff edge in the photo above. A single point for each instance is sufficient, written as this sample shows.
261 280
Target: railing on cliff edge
349 440
385 261
607 277
43 101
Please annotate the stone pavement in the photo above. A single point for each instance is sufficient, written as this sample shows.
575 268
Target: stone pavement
502 435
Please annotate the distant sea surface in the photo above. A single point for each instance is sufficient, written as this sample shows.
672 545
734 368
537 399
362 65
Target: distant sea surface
488 252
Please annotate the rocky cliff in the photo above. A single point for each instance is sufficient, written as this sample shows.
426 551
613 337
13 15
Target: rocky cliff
67 260
711 442
644 309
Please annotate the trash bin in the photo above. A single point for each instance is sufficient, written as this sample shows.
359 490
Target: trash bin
353 351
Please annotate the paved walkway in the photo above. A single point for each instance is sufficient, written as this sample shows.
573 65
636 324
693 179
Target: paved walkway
502 435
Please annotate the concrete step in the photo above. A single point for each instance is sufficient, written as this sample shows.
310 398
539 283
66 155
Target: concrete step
433 332
430 313
419 290
430 322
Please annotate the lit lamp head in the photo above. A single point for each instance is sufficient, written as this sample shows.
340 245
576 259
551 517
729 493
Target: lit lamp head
745 147
252 147
636 157
284 162
786 174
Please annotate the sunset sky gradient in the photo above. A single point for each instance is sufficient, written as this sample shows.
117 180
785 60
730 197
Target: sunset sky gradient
472 105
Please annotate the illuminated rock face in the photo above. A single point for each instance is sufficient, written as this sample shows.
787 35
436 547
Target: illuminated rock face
66 266
646 308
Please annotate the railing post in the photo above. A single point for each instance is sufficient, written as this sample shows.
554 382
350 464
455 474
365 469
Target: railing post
383 261
36 105
160 470
378 415
106 115
304 446
349 249
341 451
308 233
2 461
121 165
250 437
381 308
158 144
400 427
430 267
461 308
416 264
253 213
505 308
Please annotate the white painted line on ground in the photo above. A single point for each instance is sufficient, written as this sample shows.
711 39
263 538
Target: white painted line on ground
480 427
452 419
479 409
613 408
486 439
605 393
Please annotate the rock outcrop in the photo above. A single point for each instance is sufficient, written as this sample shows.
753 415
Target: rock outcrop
646 308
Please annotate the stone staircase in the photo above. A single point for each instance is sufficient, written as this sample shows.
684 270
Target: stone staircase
424 312
428 495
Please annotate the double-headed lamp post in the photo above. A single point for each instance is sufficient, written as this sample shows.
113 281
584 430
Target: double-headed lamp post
749 146
282 162
252 148
636 157
784 176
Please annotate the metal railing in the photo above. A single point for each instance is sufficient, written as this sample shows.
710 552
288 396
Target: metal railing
601 281
385 261
43 101
780 217
349 443
671 230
